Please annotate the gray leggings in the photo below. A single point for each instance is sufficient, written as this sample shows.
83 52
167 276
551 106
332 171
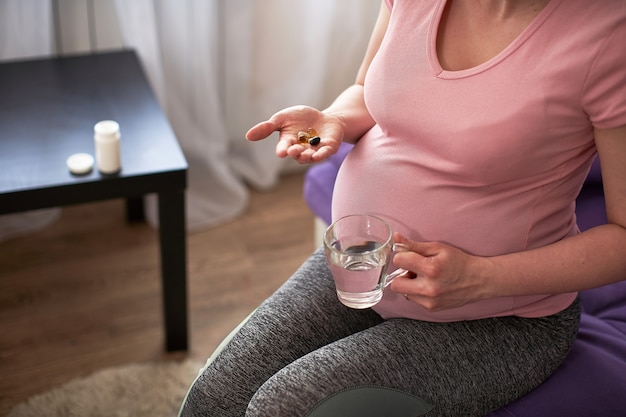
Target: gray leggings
302 346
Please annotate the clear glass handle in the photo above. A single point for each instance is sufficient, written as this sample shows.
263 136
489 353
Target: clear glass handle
397 247
395 274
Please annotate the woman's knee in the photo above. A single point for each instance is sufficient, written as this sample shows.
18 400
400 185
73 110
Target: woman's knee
284 396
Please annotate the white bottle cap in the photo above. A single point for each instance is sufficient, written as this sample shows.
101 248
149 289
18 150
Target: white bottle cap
80 163
107 128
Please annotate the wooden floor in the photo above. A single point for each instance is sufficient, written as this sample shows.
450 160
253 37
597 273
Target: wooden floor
84 294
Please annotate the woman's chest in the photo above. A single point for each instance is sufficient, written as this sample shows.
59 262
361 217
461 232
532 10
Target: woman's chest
469 34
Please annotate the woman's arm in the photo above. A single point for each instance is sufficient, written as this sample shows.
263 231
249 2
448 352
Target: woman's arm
350 105
447 277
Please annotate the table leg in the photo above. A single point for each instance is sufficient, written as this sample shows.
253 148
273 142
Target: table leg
135 209
172 235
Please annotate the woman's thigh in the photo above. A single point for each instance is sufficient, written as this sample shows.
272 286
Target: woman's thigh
462 369
303 315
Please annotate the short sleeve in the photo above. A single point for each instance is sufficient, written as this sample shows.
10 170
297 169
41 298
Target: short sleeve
604 97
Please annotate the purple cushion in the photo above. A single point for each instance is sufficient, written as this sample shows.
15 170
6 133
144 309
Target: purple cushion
595 173
592 380
590 207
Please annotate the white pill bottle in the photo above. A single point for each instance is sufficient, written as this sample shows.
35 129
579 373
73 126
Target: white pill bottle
107 140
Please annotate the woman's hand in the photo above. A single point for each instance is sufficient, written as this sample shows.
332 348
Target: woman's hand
443 277
290 121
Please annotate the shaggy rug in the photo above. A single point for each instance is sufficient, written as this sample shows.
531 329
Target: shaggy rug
137 390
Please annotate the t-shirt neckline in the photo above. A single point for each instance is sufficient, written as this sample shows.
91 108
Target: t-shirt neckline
442 73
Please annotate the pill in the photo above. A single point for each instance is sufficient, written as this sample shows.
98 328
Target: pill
315 141
303 137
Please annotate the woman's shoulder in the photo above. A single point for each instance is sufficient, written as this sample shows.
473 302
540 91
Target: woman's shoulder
595 13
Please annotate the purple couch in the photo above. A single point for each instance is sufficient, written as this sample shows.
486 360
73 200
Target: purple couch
592 380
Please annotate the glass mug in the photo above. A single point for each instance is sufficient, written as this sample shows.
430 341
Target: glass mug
358 250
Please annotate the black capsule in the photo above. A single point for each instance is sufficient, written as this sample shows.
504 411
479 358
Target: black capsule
315 141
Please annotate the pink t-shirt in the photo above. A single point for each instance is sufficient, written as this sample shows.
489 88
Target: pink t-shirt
489 159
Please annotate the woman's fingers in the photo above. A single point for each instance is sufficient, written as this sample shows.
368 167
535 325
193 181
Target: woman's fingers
444 277
261 131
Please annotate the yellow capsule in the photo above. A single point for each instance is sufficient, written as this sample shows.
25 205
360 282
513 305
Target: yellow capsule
303 137
312 132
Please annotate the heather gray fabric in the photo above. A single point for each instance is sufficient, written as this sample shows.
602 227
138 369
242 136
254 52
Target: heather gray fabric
301 348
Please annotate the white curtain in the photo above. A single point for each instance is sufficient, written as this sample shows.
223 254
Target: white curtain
217 68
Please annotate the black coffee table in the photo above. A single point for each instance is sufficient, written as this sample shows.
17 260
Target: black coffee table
48 108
